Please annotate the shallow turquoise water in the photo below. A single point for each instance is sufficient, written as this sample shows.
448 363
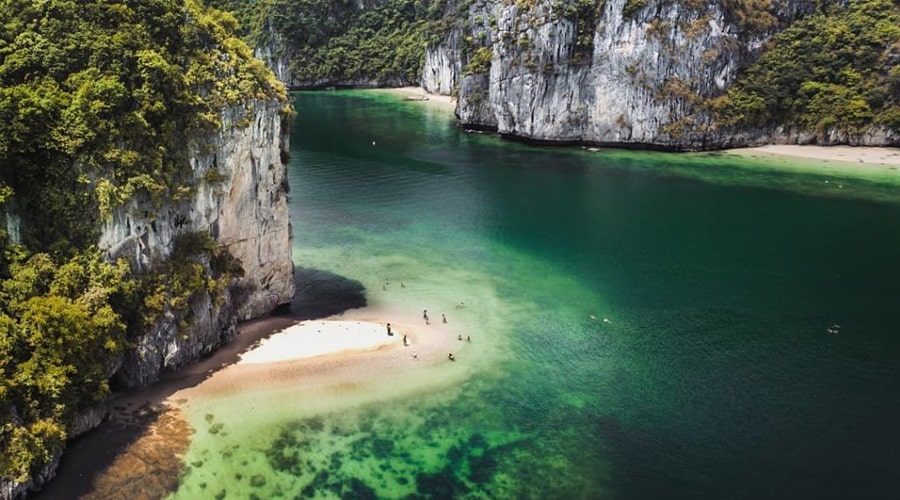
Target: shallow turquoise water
644 325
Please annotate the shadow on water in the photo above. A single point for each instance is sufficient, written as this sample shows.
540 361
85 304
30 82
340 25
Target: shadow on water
319 294
118 460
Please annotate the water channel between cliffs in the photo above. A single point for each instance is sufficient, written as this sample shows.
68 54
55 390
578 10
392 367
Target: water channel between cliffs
643 325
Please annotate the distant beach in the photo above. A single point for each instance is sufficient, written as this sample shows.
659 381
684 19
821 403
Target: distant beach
850 155
867 156
420 94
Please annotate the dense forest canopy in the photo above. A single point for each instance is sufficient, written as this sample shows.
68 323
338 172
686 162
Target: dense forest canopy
109 96
328 42
99 100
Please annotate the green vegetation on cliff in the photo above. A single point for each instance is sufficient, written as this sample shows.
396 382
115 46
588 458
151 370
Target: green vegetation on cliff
111 95
836 70
100 101
332 42
59 334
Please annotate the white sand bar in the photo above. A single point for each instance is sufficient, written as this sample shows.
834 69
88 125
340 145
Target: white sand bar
316 338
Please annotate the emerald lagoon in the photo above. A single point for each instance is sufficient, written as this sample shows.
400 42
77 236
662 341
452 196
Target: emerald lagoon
644 325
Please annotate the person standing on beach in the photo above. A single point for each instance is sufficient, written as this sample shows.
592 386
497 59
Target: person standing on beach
443 317
389 331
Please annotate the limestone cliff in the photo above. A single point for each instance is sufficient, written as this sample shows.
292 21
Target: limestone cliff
241 200
166 153
271 50
619 72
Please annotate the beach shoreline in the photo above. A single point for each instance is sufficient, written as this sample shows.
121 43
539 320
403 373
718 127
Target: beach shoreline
348 358
418 94
341 350
867 156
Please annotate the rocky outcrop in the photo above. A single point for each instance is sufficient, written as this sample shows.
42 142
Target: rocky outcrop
82 423
443 65
14 489
240 199
626 73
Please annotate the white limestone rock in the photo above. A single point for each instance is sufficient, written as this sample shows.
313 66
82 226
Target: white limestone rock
639 82
243 206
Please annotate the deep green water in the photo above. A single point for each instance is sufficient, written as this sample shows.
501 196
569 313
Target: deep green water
644 325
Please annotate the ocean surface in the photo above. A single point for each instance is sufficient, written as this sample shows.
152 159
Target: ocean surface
644 325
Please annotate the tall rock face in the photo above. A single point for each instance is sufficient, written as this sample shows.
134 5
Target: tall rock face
271 51
241 201
443 65
619 72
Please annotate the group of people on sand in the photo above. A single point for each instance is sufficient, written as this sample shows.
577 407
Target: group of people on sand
450 356
390 333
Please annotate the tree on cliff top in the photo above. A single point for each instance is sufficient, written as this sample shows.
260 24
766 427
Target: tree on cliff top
101 99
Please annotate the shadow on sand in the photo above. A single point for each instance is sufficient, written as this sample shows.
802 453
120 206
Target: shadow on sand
117 460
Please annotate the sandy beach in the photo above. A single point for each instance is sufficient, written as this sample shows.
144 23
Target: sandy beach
316 338
419 94
340 351
855 155
342 360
